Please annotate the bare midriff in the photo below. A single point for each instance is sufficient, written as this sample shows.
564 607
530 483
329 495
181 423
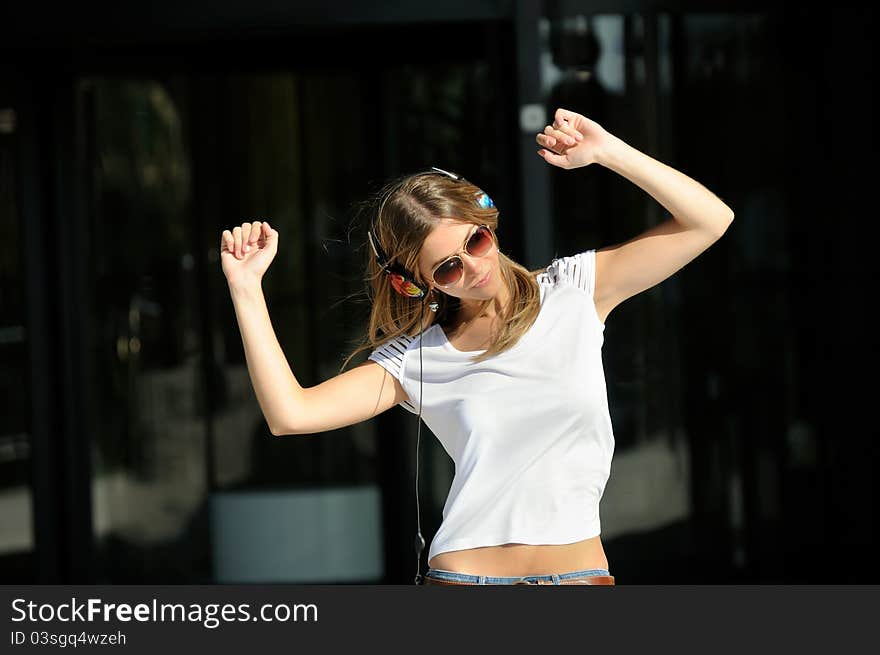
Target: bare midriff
524 559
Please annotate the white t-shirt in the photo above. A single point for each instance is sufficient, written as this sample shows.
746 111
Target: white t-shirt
528 429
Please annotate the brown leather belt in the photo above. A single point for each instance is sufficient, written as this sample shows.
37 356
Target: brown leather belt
589 579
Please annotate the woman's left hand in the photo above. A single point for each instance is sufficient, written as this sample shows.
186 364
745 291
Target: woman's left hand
572 140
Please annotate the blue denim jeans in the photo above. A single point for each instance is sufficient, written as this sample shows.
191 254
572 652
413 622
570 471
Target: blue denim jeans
452 576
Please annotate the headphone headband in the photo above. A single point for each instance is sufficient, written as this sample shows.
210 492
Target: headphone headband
447 173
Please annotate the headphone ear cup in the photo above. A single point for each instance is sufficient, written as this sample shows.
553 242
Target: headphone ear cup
403 283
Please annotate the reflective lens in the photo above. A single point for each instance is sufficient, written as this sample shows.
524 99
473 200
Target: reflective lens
480 242
451 270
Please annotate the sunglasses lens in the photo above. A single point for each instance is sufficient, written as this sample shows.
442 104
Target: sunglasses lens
448 272
480 242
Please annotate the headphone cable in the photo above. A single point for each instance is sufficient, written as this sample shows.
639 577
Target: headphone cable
419 541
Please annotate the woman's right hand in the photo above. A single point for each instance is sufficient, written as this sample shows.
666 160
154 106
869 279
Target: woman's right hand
247 251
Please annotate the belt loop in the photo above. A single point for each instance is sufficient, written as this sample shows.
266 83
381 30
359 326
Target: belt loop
555 578
482 580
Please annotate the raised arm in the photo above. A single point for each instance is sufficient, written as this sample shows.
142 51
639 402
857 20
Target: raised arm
698 216
288 407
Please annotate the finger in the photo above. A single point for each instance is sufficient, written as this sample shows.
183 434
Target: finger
552 158
236 235
567 120
567 129
267 230
559 123
563 117
245 236
546 141
256 230
227 243
561 137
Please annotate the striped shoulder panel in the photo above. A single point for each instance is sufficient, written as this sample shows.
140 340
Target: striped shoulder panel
577 270
390 357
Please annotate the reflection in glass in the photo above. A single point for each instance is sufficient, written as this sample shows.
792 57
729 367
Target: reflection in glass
145 419
16 498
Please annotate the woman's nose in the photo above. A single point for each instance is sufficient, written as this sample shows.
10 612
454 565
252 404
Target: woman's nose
471 266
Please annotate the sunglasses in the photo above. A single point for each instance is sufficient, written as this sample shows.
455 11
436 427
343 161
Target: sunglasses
451 269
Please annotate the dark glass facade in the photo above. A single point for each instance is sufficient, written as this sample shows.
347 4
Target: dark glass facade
133 449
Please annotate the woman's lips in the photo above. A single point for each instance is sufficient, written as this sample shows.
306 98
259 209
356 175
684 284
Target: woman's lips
484 281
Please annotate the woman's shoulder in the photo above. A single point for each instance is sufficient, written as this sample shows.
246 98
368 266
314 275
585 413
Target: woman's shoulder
576 270
398 344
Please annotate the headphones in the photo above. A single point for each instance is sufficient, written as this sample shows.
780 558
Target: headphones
404 283
402 280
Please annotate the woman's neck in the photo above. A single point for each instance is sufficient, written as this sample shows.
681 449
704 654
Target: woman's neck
470 310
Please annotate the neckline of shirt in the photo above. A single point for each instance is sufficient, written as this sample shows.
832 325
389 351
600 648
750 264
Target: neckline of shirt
447 344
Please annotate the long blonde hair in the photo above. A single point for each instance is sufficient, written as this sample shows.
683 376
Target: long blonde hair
403 213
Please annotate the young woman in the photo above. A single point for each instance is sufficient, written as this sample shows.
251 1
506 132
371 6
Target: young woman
505 366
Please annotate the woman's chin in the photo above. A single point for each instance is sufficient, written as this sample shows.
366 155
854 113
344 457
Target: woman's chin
485 292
